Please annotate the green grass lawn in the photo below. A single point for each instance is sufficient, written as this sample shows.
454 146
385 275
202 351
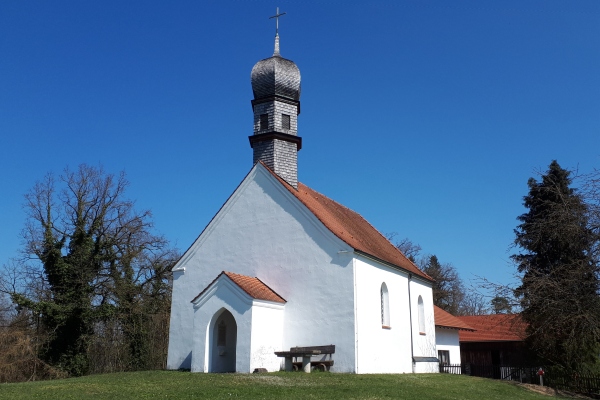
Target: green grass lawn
281 385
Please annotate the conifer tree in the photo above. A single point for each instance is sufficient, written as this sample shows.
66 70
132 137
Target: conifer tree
559 286
501 305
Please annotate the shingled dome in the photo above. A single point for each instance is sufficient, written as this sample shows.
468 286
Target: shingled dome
275 76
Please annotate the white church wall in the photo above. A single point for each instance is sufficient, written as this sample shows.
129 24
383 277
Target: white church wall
427 367
381 350
267 335
387 350
263 231
181 329
424 342
447 339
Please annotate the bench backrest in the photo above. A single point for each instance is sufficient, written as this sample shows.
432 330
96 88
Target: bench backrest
329 349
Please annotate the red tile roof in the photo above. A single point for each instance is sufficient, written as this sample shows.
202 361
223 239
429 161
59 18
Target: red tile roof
254 287
351 227
494 328
444 319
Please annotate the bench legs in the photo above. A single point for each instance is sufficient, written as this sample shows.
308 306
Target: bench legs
289 366
306 363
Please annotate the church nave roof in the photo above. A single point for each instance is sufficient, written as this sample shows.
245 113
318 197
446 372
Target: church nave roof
351 227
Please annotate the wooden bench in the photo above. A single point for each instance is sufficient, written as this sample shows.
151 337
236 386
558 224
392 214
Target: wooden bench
307 363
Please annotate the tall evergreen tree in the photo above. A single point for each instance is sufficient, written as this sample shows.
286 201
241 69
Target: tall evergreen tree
559 287
501 305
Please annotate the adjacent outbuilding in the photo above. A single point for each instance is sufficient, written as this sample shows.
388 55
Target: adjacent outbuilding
447 328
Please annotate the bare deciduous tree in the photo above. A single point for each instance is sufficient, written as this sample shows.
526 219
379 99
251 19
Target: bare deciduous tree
449 292
91 264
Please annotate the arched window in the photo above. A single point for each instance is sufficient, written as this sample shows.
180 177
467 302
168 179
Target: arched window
421 316
385 307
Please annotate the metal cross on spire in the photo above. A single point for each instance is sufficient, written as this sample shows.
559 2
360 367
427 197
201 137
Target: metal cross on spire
276 16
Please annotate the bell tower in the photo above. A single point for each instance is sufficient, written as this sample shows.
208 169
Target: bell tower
276 105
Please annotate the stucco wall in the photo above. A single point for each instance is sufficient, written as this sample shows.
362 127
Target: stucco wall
267 332
263 231
424 342
447 339
382 350
427 367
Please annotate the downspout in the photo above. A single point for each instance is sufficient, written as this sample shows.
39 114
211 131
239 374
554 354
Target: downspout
412 356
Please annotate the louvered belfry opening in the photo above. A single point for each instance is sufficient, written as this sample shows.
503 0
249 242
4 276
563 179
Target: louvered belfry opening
276 105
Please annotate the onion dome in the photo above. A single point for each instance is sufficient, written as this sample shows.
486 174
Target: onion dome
276 76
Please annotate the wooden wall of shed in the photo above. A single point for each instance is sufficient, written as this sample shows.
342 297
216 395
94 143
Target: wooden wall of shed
495 353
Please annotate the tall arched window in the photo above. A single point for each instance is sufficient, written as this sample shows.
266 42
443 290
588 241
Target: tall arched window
421 316
385 306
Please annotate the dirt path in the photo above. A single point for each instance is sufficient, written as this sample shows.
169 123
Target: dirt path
548 391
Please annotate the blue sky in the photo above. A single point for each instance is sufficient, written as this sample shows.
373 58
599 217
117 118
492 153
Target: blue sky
427 117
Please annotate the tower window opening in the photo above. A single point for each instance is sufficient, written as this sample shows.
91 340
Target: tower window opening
264 121
285 121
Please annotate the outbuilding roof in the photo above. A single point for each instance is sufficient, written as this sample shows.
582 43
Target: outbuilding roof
351 227
494 328
254 287
444 319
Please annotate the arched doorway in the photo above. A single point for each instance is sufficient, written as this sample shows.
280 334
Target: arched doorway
223 342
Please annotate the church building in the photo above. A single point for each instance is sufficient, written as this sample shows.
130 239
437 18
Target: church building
281 265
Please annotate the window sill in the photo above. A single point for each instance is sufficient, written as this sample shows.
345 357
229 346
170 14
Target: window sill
386 327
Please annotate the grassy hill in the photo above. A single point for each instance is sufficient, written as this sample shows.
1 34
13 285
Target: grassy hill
185 385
